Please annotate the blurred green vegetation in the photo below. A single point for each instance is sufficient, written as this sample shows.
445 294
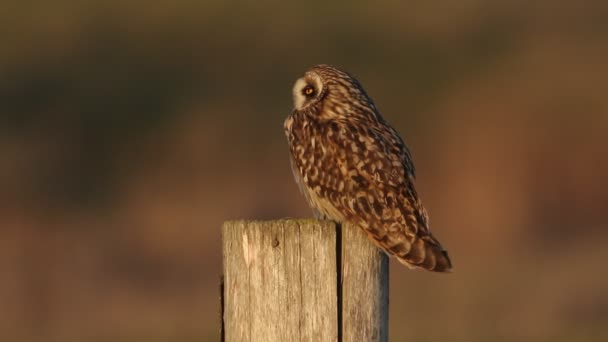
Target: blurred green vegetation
130 130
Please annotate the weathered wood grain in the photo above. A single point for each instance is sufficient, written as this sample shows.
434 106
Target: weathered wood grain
302 280
280 281
364 288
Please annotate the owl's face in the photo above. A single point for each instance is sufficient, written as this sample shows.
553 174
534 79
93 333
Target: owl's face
330 93
308 90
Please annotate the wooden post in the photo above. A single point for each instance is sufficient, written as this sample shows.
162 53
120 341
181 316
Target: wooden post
302 280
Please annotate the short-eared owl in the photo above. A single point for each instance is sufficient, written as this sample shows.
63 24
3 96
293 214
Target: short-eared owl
352 166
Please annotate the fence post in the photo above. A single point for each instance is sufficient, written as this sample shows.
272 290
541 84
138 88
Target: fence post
302 280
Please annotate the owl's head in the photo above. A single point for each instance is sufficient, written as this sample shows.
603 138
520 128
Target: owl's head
333 92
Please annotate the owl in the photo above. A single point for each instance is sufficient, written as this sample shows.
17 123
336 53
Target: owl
352 166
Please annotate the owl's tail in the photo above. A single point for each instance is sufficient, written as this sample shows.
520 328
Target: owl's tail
426 252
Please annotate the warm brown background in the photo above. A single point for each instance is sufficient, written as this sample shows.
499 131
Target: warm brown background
129 130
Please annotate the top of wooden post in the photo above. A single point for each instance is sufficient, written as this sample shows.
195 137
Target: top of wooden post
302 280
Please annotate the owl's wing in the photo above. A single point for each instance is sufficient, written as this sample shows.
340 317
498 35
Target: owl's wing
379 174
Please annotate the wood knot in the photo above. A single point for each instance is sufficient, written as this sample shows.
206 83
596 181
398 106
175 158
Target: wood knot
275 243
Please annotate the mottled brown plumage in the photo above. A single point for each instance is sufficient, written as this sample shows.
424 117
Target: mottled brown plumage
352 166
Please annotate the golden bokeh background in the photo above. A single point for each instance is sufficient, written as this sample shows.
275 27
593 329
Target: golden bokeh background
130 130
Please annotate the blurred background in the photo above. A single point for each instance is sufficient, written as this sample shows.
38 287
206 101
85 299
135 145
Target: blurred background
130 130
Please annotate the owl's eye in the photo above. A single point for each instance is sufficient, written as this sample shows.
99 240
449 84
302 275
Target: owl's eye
308 91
